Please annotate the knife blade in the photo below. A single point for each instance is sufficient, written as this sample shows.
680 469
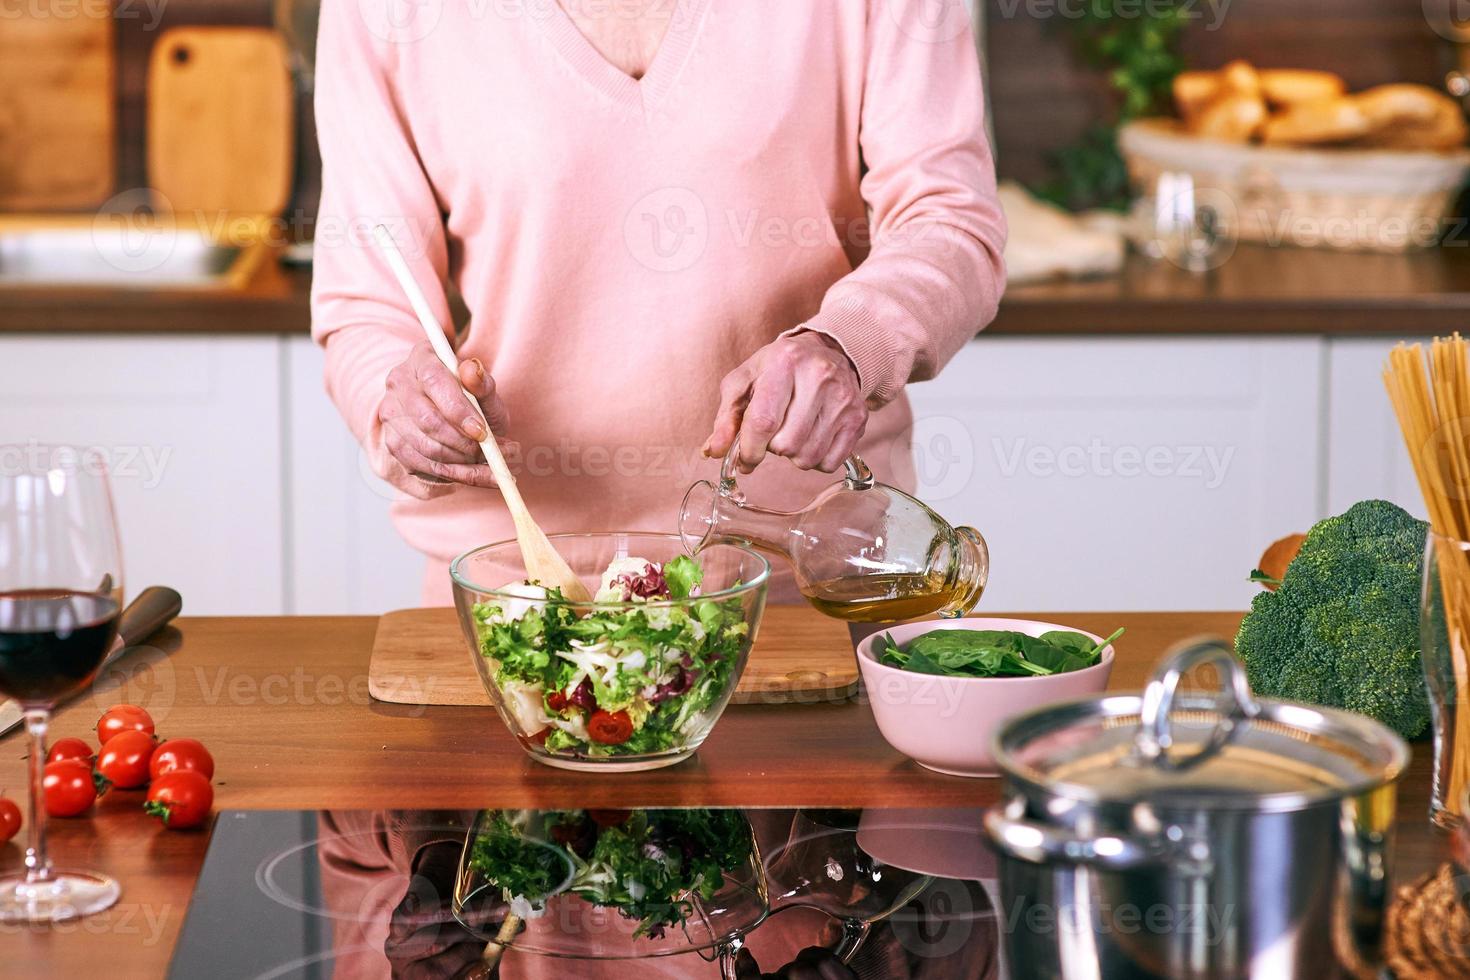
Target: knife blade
153 609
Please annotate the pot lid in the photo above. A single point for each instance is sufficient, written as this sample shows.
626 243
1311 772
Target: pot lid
1227 752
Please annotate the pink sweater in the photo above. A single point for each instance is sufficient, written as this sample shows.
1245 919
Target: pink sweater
621 245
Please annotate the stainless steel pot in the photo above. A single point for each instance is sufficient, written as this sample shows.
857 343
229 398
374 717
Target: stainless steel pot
1185 836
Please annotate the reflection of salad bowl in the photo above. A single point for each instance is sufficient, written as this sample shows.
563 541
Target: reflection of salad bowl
635 679
611 884
940 690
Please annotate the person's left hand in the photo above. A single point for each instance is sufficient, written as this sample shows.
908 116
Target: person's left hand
797 397
812 963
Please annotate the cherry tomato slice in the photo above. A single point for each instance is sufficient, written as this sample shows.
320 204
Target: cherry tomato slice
556 701
181 753
609 727
70 748
9 819
181 799
123 718
124 760
67 788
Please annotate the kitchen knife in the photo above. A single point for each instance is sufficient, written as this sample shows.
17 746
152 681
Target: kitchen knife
150 612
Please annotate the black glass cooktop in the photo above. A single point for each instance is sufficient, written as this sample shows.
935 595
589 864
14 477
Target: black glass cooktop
824 894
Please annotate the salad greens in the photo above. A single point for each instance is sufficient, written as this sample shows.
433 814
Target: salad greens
650 865
994 653
635 678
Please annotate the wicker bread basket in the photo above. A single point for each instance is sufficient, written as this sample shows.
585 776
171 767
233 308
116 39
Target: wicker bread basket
1375 200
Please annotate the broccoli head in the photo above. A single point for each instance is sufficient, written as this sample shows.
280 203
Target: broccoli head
1342 630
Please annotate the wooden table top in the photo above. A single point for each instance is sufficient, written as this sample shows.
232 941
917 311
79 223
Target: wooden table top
282 704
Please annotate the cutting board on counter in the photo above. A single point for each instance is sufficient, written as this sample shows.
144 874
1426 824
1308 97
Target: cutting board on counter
420 657
58 118
221 120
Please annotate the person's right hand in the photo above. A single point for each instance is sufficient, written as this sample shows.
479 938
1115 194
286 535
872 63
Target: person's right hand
429 425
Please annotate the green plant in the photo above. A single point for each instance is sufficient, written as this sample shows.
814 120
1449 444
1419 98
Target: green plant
1343 628
1136 47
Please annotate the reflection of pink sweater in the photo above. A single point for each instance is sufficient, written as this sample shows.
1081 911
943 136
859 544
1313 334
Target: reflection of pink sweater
622 245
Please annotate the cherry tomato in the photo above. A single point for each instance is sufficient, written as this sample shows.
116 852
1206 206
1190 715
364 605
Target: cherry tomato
67 787
609 727
70 748
124 760
9 819
181 799
556 701
181 753
123 718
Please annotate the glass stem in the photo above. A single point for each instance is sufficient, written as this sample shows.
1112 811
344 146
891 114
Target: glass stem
38 865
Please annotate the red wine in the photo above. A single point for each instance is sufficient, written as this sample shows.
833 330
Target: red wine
52 641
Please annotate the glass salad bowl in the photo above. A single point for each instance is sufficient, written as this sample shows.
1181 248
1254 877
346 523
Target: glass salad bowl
633 680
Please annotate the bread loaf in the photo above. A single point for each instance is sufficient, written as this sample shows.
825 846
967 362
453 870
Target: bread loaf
1289 86
1231 117
1240 78
1412 117
1319 123
1298 107
1193 90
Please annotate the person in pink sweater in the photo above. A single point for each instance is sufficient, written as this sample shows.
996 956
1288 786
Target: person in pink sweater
671 222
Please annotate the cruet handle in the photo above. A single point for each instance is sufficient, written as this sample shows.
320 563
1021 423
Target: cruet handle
856 474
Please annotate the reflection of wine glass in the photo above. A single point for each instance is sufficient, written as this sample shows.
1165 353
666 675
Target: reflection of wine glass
60 594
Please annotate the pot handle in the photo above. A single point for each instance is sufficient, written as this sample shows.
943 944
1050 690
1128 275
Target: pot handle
1026 840
1155 732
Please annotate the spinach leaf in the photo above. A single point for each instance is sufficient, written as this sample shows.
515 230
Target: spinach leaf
993 653
1078 643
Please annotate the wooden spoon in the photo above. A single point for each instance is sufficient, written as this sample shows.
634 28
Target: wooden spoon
543 563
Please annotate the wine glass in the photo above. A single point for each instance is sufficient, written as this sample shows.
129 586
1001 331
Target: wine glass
60 596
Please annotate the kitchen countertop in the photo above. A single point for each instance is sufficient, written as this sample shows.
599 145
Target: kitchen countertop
282 704
1258 291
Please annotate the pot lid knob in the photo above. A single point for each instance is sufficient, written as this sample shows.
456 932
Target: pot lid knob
1236 705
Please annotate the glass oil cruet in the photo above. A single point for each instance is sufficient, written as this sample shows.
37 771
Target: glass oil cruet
862 551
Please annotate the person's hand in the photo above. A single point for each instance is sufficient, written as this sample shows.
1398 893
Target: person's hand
428 424
797 397
812 963
425 941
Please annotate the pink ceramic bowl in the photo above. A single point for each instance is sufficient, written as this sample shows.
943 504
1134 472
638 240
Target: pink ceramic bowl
946 723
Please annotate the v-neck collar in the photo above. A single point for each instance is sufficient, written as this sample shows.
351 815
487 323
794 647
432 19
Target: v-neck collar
646 92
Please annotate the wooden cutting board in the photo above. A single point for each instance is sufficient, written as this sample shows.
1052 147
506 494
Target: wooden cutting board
420 657
221 120
57 107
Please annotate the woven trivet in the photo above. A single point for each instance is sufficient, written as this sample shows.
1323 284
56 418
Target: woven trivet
1428 934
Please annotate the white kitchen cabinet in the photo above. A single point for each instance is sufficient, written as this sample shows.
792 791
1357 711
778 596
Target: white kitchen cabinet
192 429
1108 473
1366 456
1124 473
344 556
